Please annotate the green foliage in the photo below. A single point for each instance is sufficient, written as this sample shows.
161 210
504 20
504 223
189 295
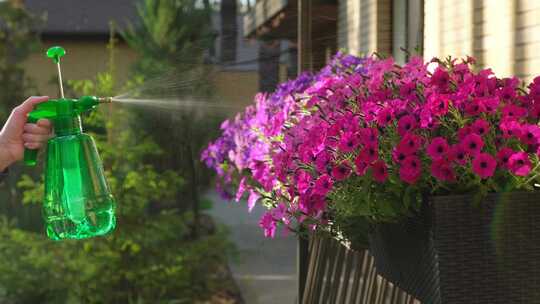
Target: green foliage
16 43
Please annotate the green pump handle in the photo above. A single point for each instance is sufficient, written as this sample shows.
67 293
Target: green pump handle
62 112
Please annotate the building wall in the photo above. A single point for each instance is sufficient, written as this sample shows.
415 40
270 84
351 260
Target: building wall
84 60
235 88
500 34
365 26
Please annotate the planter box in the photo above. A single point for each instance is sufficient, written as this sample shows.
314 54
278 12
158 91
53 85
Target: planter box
404 255
485 253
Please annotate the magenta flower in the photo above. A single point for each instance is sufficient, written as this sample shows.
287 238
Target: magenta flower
442 170
322 161
519 164
303 181
360 166
473 144
530 134
323 185
406 124
369 136
241 189
369 154
398 156
474 108
463 132
341 171
379 171
440 78
269 225
438 148
480 127
513 112
252 199
484 165
411 169
503 156
458 154
385 116
349 142
511 129
409 144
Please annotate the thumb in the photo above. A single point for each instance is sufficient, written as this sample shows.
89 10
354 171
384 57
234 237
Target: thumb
28 105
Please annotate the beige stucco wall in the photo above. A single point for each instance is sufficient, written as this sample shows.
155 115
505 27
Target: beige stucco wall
84 59
501 34
364 26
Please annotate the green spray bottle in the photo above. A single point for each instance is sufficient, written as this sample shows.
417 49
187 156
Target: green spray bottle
78 203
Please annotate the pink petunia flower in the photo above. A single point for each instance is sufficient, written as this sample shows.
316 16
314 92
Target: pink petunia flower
484 165
511 129
303 181
360 166
438 148
480 127
407 124
530 134
473 144
503 156
409 144
322 160
458 154
411 169
442 170
520 164
384 117
323 185
268 224
369 154
379 171
349 142
341 171
513 112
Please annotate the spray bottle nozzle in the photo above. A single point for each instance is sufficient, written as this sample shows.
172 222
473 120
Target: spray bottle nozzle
105 99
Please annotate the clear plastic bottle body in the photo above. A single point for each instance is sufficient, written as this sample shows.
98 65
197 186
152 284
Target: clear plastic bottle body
78 203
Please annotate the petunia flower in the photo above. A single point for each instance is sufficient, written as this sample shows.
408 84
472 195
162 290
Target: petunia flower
442 170
484 165
480 127
411 169
323 185
520 164
341 171
458 154
530 134
360 166
406 124
503 156
473 144
268 224
379 171
409 144
349 142
438 148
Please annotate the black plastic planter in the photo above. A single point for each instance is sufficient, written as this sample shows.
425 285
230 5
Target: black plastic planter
465 252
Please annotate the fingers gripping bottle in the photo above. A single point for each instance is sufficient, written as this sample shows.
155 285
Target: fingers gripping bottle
78 203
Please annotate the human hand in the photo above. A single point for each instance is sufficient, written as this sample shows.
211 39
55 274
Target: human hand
16 135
